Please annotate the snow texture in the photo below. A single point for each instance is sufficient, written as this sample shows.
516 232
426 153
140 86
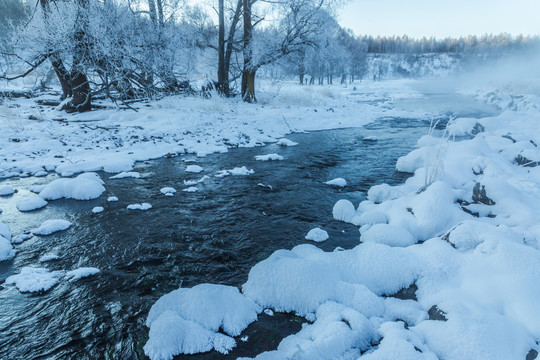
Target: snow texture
51 226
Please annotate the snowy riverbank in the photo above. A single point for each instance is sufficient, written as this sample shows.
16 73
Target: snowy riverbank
37 140
461 235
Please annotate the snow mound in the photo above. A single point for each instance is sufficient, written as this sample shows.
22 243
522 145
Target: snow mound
6 250
31 204
191 189
86 186
317 235
32 279
382 192
51 226
168 191
339 182
343 211
194 169
286 142
4 231
97 209
268 157
238 171
112 199
187 321
302 279
123 175
79 273
6 190
412 161
389 235
190 182
143 206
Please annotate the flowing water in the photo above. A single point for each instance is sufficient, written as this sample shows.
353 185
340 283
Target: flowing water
214 235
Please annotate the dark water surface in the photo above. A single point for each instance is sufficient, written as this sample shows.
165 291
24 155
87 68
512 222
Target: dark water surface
214 235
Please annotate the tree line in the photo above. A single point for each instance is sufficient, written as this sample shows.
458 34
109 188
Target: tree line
128 50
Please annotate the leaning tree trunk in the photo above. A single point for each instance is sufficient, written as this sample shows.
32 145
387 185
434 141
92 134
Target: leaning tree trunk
248 72
81 99
57 64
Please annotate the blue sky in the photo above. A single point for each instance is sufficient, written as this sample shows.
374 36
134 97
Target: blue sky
441 18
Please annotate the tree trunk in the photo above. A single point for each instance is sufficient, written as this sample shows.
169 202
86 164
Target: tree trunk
62 74
81 98
248 73
222 76
248 86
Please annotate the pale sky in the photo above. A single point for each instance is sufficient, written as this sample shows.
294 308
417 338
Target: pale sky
441 18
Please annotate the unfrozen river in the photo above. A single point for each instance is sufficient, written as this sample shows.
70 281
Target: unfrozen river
214 235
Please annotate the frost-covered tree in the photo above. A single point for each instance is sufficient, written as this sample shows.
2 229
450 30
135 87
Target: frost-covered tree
295 24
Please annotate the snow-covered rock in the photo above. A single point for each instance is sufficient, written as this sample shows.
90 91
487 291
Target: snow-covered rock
194 169
97 209
317 235
30 204
238 171
143 206
86 186
188 321
268 157
6 190
32 279
339 182
168 191
112 199
51 226
48 257
343 211
286 142
191 189
126 174
6 249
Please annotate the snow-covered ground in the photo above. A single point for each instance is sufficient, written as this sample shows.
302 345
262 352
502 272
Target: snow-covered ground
462 234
